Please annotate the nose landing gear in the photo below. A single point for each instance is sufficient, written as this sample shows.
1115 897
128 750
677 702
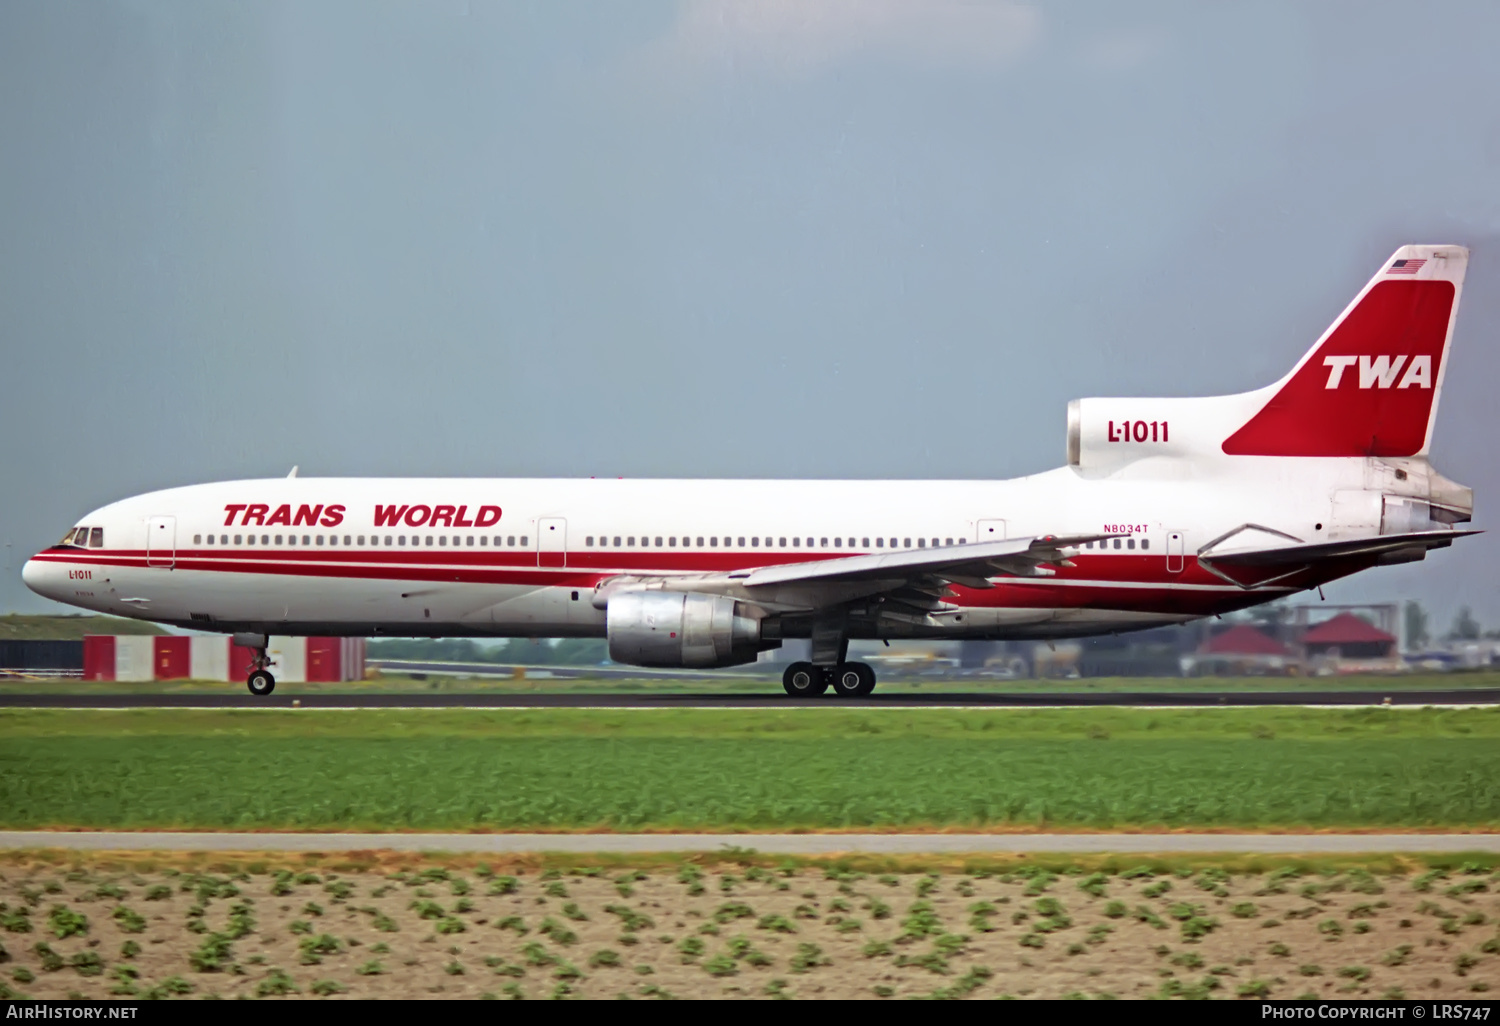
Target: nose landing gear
260 682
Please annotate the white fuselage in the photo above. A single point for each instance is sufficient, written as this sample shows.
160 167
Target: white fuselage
522 557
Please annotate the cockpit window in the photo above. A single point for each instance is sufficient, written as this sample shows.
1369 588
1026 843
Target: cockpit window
96 537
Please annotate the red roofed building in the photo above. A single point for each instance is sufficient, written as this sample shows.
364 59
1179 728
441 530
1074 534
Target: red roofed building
1346 636
1244 640
1242 649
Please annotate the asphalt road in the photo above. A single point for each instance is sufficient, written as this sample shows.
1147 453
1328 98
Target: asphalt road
235 698
779 844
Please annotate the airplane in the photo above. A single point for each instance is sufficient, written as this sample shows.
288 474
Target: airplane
1167 510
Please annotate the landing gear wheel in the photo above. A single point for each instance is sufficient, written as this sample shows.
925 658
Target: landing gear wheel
261 683
853 680
804 680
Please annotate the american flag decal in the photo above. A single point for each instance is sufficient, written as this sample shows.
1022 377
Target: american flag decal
1406 267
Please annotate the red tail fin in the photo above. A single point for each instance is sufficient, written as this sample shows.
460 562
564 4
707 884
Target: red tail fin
1370 385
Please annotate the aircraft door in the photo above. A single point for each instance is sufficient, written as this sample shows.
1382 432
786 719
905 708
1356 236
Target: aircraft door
161 542
551 541
1176 547
989 530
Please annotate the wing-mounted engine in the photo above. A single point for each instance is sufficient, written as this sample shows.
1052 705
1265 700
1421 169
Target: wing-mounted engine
682 629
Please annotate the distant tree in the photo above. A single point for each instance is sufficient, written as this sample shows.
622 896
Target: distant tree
580 651
1465 627
1416 626
1270 616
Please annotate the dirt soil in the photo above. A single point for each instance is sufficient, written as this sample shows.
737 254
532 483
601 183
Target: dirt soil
745 932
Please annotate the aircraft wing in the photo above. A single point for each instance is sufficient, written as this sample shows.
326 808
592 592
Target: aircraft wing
1265 564
970 565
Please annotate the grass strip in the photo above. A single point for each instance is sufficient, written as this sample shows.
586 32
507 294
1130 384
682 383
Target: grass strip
747 771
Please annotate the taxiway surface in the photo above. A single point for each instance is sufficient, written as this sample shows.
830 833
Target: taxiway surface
492 700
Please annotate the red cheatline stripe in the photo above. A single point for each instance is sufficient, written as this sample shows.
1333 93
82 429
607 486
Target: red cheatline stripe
1135 570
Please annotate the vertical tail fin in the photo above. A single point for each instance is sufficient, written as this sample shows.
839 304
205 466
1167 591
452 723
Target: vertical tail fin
1370 385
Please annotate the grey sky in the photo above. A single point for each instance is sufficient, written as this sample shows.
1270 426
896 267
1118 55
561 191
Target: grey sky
856 238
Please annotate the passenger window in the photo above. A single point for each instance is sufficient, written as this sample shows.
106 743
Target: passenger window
742 543
197 539
265 539
851 543
278 539
210 539
782 545
484 540
307 539
361 539
946 541
658 541
838 543
1117 543
1145 543
589 542
908 543
864 543
239 540
934 543
893 544
700 543
523 541
617 541
755 543
249 539
442 539
1130 543
921 543
429 539
511 541
880 543
796 543
671 541
388 540
824 543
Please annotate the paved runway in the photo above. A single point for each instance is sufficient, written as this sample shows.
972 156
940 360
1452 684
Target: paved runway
779 844
238 699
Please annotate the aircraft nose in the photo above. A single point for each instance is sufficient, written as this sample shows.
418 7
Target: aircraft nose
40 578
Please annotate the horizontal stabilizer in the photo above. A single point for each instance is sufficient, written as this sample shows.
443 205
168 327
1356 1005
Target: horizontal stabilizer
1258 567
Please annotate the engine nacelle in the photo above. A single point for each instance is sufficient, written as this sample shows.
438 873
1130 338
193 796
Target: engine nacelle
674 628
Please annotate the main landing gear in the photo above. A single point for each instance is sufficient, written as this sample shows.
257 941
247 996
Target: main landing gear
848 680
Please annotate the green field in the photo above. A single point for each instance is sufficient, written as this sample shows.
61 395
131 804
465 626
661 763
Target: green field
822 768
